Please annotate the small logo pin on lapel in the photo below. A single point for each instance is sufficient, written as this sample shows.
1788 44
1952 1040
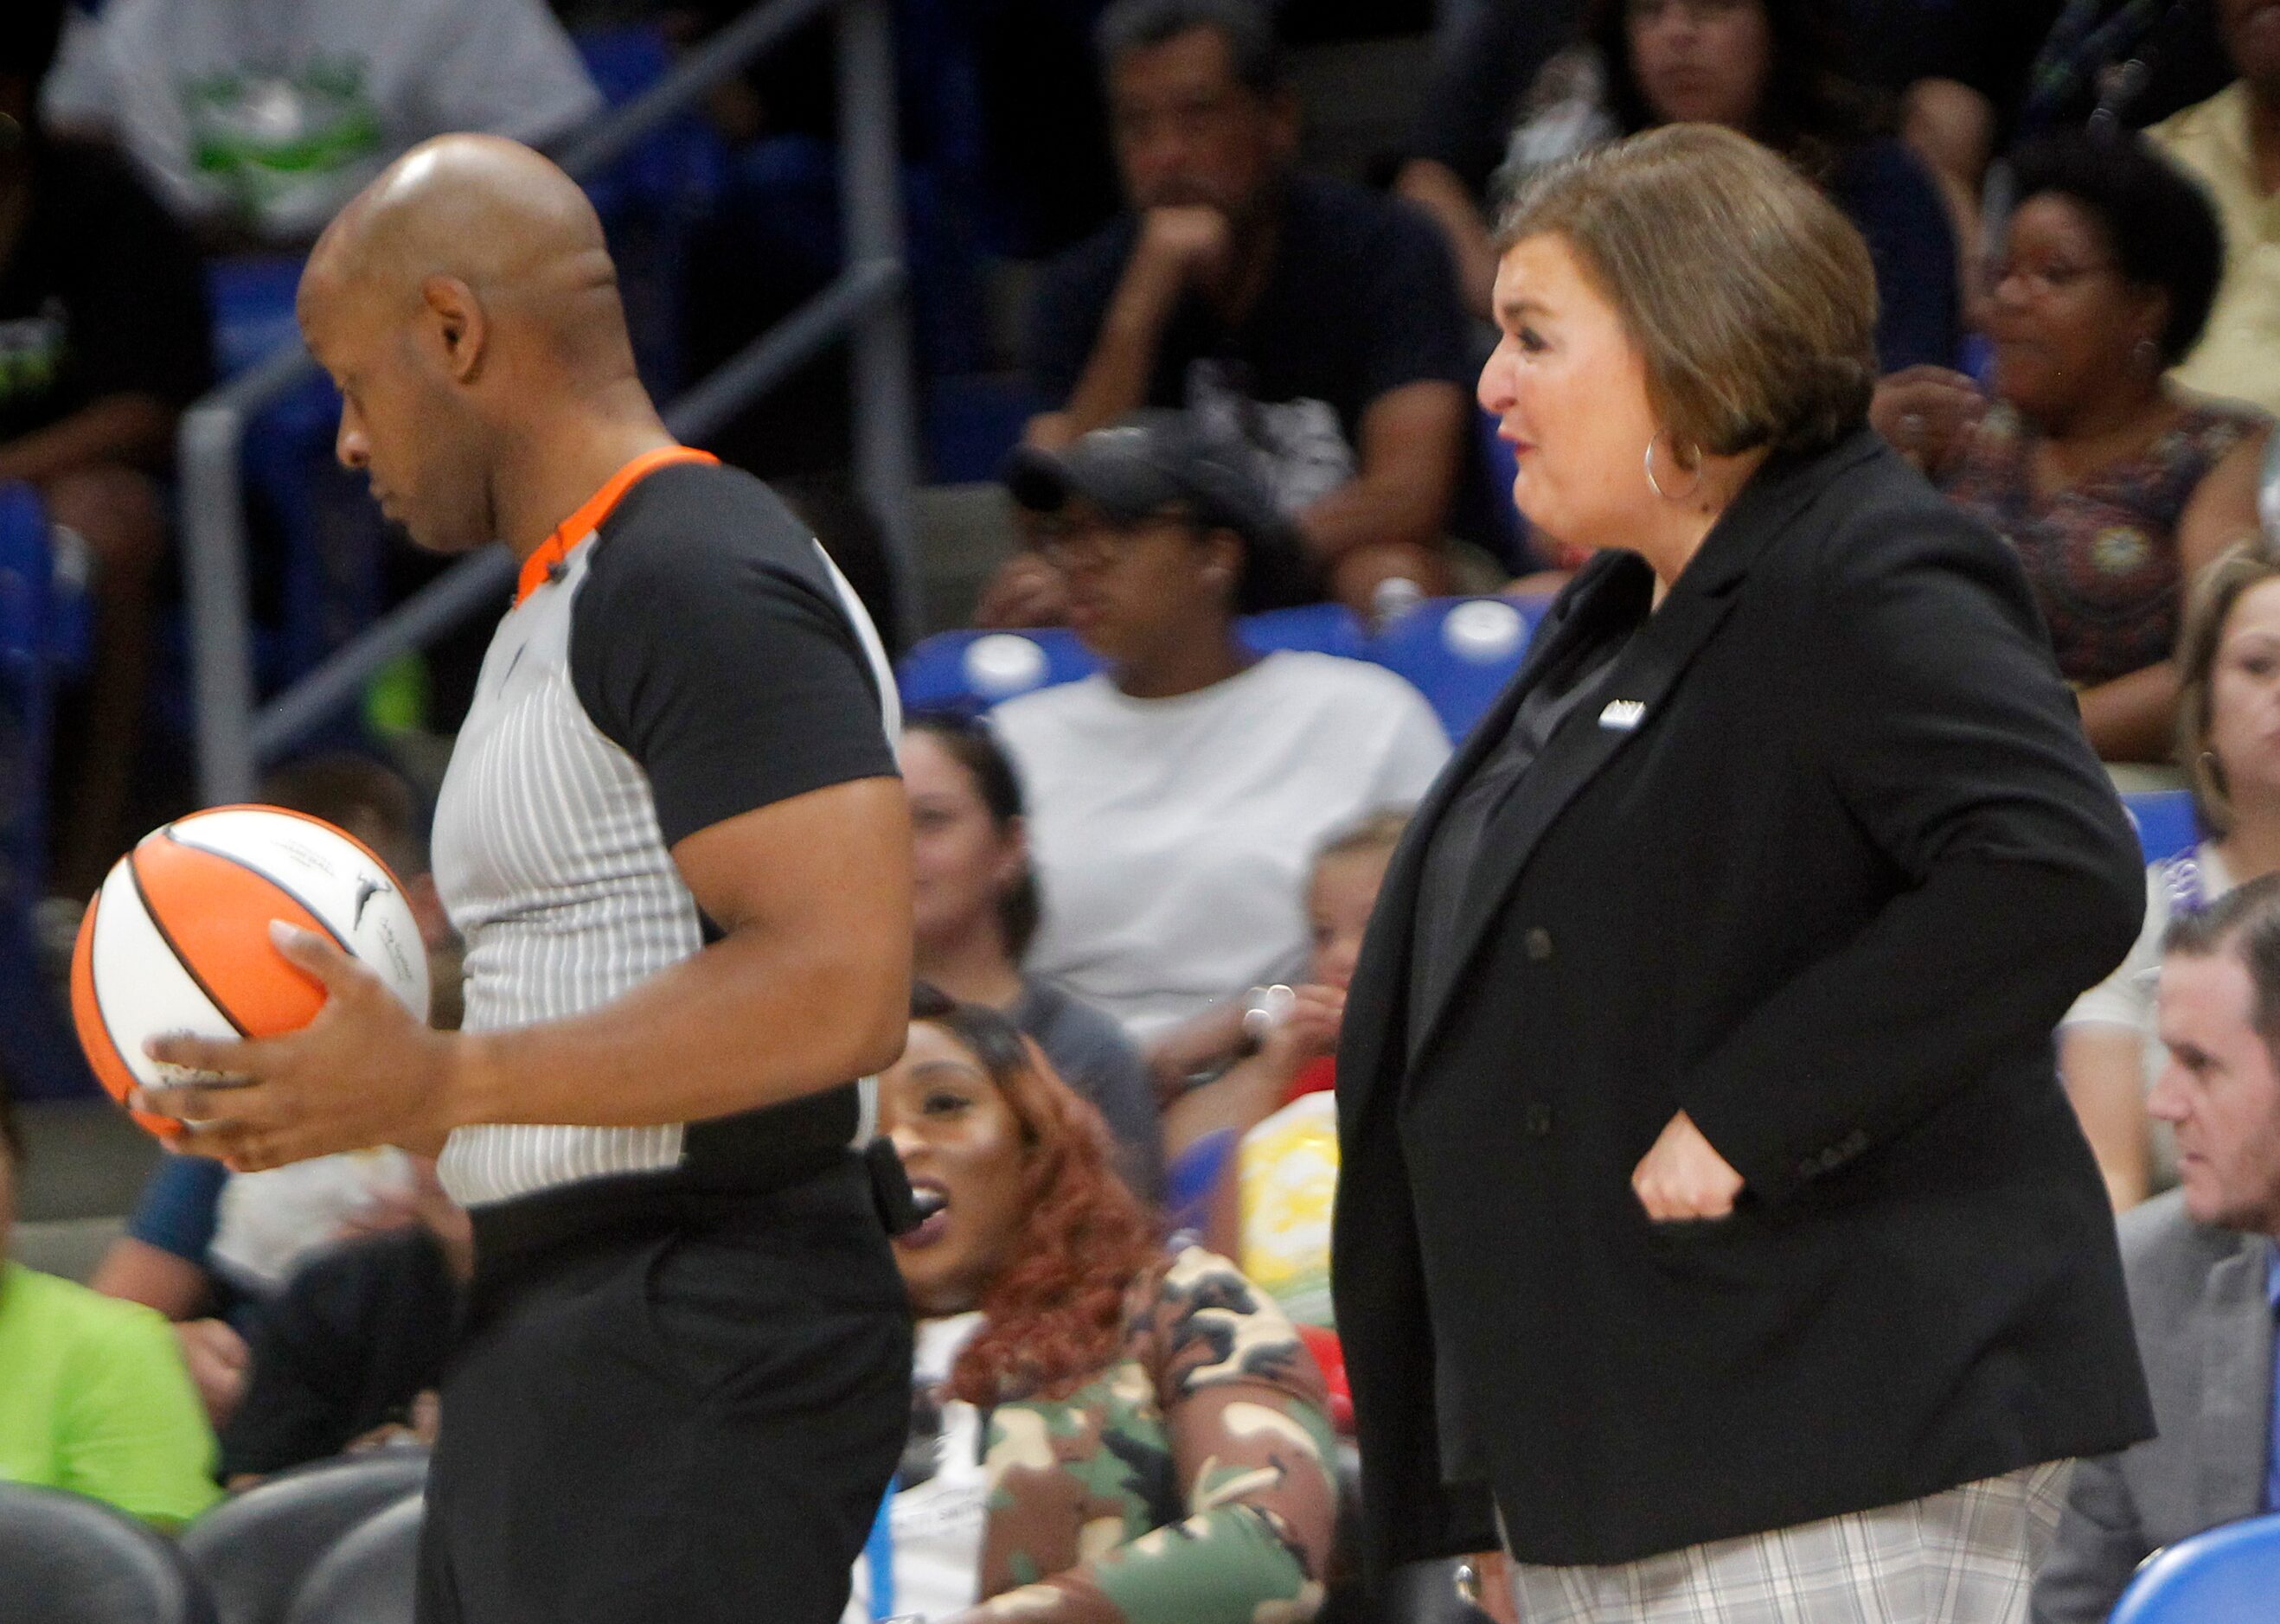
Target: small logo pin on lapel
1622 715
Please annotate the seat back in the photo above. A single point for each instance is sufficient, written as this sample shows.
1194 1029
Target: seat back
372 1576
2166 823
2228 1575
1460 652
67 1559
253 1552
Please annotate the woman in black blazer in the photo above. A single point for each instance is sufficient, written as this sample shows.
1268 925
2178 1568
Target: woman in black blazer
1713 1227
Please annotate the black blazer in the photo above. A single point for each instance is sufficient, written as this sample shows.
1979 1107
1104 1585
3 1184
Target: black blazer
1830 894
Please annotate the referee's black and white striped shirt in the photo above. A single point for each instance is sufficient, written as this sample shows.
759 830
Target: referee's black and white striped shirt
681 653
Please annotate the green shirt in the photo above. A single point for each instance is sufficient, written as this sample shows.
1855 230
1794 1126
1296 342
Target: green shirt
94 1397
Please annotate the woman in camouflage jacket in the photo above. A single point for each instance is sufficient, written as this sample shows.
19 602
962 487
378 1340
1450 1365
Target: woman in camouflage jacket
1104 1435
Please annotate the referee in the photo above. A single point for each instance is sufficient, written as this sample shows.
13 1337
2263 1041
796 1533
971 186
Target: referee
673 840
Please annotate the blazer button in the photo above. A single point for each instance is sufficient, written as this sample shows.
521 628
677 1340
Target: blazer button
1539 942
1536 1119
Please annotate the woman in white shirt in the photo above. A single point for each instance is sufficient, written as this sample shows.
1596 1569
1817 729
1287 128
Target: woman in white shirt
2229 729
1174 797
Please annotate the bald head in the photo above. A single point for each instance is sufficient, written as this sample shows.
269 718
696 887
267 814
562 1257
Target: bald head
494 217
466 306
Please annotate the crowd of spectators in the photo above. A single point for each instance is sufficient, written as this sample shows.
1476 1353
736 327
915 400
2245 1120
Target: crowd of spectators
1140 894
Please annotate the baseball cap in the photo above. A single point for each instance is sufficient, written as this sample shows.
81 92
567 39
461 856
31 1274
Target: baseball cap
1151 460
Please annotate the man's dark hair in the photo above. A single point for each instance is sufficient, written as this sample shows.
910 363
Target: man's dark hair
29 30
2157 222
1138 25
357 793
2246 921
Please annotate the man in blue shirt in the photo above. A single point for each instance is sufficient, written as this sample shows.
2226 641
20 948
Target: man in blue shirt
2203 1269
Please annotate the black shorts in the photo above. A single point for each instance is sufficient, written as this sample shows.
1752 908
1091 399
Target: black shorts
685 1411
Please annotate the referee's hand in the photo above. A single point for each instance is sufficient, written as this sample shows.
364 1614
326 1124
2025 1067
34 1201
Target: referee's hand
365 1072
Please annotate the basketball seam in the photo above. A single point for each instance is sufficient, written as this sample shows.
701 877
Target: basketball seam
95 987
134 874
305 905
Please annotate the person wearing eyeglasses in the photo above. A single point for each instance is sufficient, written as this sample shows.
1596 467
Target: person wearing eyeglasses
2115 485
1176 796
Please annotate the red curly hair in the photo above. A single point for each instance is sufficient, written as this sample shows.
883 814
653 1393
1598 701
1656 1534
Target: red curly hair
1054 1317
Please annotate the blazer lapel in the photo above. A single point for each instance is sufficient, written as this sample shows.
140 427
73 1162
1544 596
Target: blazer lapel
2236 1428
1379 988
1627 705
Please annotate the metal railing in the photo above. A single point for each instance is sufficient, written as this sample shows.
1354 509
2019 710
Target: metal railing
867 301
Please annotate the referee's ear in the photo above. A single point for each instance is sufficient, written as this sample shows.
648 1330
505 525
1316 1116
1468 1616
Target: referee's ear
453 327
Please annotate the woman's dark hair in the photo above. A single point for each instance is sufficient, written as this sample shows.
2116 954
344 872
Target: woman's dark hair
2157 222
975 747
1054 1315
29 30
11 1142
1810 111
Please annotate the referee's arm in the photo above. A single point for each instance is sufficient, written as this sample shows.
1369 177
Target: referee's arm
808 986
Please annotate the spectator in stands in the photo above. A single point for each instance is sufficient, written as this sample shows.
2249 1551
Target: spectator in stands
1270 1212
977 908
2227 701
93 1395
1100 1432
206 1248
2115 487
2231 144
103 341
2203 1265
355 1343
1175 797
255 119
1765 67
1317 320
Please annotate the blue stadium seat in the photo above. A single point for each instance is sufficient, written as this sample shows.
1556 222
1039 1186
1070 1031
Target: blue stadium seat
2228 1575
1460 652
2165 822
254 1549
42 637
372 1576
969 671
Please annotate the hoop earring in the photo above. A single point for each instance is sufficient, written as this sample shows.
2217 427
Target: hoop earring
1655 485
2148 354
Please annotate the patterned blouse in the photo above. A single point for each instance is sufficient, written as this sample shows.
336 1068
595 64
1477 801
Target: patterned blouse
2102 553
1191 1483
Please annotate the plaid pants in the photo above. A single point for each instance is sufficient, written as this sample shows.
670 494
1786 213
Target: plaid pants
1966 1556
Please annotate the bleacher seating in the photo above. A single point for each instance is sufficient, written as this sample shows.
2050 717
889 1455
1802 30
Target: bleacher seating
1459 652
43 629
2165 822
371 1576
67 1559
2226 1575
254 1551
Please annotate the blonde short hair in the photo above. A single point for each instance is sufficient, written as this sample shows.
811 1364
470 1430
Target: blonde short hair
1750 298
2247 564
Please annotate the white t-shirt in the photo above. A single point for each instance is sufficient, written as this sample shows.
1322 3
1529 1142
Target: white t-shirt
1172 838
936 1526
2127 997
268 1223
280 110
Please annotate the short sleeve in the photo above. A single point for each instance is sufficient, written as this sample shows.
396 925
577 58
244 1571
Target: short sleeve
1416 749
133 1432
712 643
179 1207
1412 326
1066 310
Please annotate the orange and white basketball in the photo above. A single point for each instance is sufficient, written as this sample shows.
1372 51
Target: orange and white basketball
177 940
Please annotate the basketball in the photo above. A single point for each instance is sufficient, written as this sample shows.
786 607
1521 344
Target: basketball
177 940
